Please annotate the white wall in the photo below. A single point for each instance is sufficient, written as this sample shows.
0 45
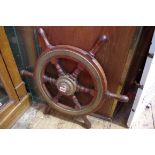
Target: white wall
145 96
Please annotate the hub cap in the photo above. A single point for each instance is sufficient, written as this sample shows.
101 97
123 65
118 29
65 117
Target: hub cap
66 85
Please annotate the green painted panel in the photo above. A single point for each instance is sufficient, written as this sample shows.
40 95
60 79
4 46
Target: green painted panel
25 48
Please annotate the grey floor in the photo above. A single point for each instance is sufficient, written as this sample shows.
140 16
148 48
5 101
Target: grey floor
34 118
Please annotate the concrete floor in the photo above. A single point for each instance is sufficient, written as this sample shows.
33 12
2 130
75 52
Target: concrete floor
34 118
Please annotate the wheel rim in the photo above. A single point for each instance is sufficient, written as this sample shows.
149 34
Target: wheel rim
66 82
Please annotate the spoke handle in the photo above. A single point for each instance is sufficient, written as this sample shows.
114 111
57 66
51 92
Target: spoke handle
121 98
44 37
103 39
30 74
26 73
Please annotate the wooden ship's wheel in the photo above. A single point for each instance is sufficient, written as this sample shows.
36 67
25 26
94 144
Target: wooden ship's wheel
67 84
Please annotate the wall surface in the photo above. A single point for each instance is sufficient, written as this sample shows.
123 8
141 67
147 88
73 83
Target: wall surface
145 96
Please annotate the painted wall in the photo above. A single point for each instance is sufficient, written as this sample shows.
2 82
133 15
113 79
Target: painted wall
147 95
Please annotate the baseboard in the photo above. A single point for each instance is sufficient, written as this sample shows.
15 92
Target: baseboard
15 112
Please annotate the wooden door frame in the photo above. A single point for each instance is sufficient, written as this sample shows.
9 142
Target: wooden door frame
13 84
11 64
5 78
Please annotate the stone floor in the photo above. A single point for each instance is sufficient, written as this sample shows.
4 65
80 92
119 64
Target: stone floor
34 118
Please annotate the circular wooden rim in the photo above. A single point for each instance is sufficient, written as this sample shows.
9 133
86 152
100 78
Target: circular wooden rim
88 61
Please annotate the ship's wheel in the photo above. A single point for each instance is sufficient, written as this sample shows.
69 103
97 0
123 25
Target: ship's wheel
67 83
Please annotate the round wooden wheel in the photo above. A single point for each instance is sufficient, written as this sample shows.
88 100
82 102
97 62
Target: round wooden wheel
71 80
66 84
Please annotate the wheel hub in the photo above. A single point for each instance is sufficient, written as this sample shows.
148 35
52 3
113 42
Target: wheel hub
66 85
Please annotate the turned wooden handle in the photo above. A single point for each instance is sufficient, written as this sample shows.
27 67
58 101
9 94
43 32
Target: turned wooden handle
26 73
43 35
98 44
121 98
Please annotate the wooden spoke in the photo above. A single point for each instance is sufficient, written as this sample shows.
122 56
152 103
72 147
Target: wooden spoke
77 71
98 45
56 98
49 79
85 90
87 123
77 104
44 37
58 67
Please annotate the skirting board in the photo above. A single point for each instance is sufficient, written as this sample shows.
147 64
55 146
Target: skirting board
15 112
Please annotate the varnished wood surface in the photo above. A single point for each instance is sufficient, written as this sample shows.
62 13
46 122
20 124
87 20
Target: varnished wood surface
112 56
11 64
14 86
5 78
14 112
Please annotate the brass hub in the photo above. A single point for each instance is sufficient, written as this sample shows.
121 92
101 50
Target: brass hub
66 85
